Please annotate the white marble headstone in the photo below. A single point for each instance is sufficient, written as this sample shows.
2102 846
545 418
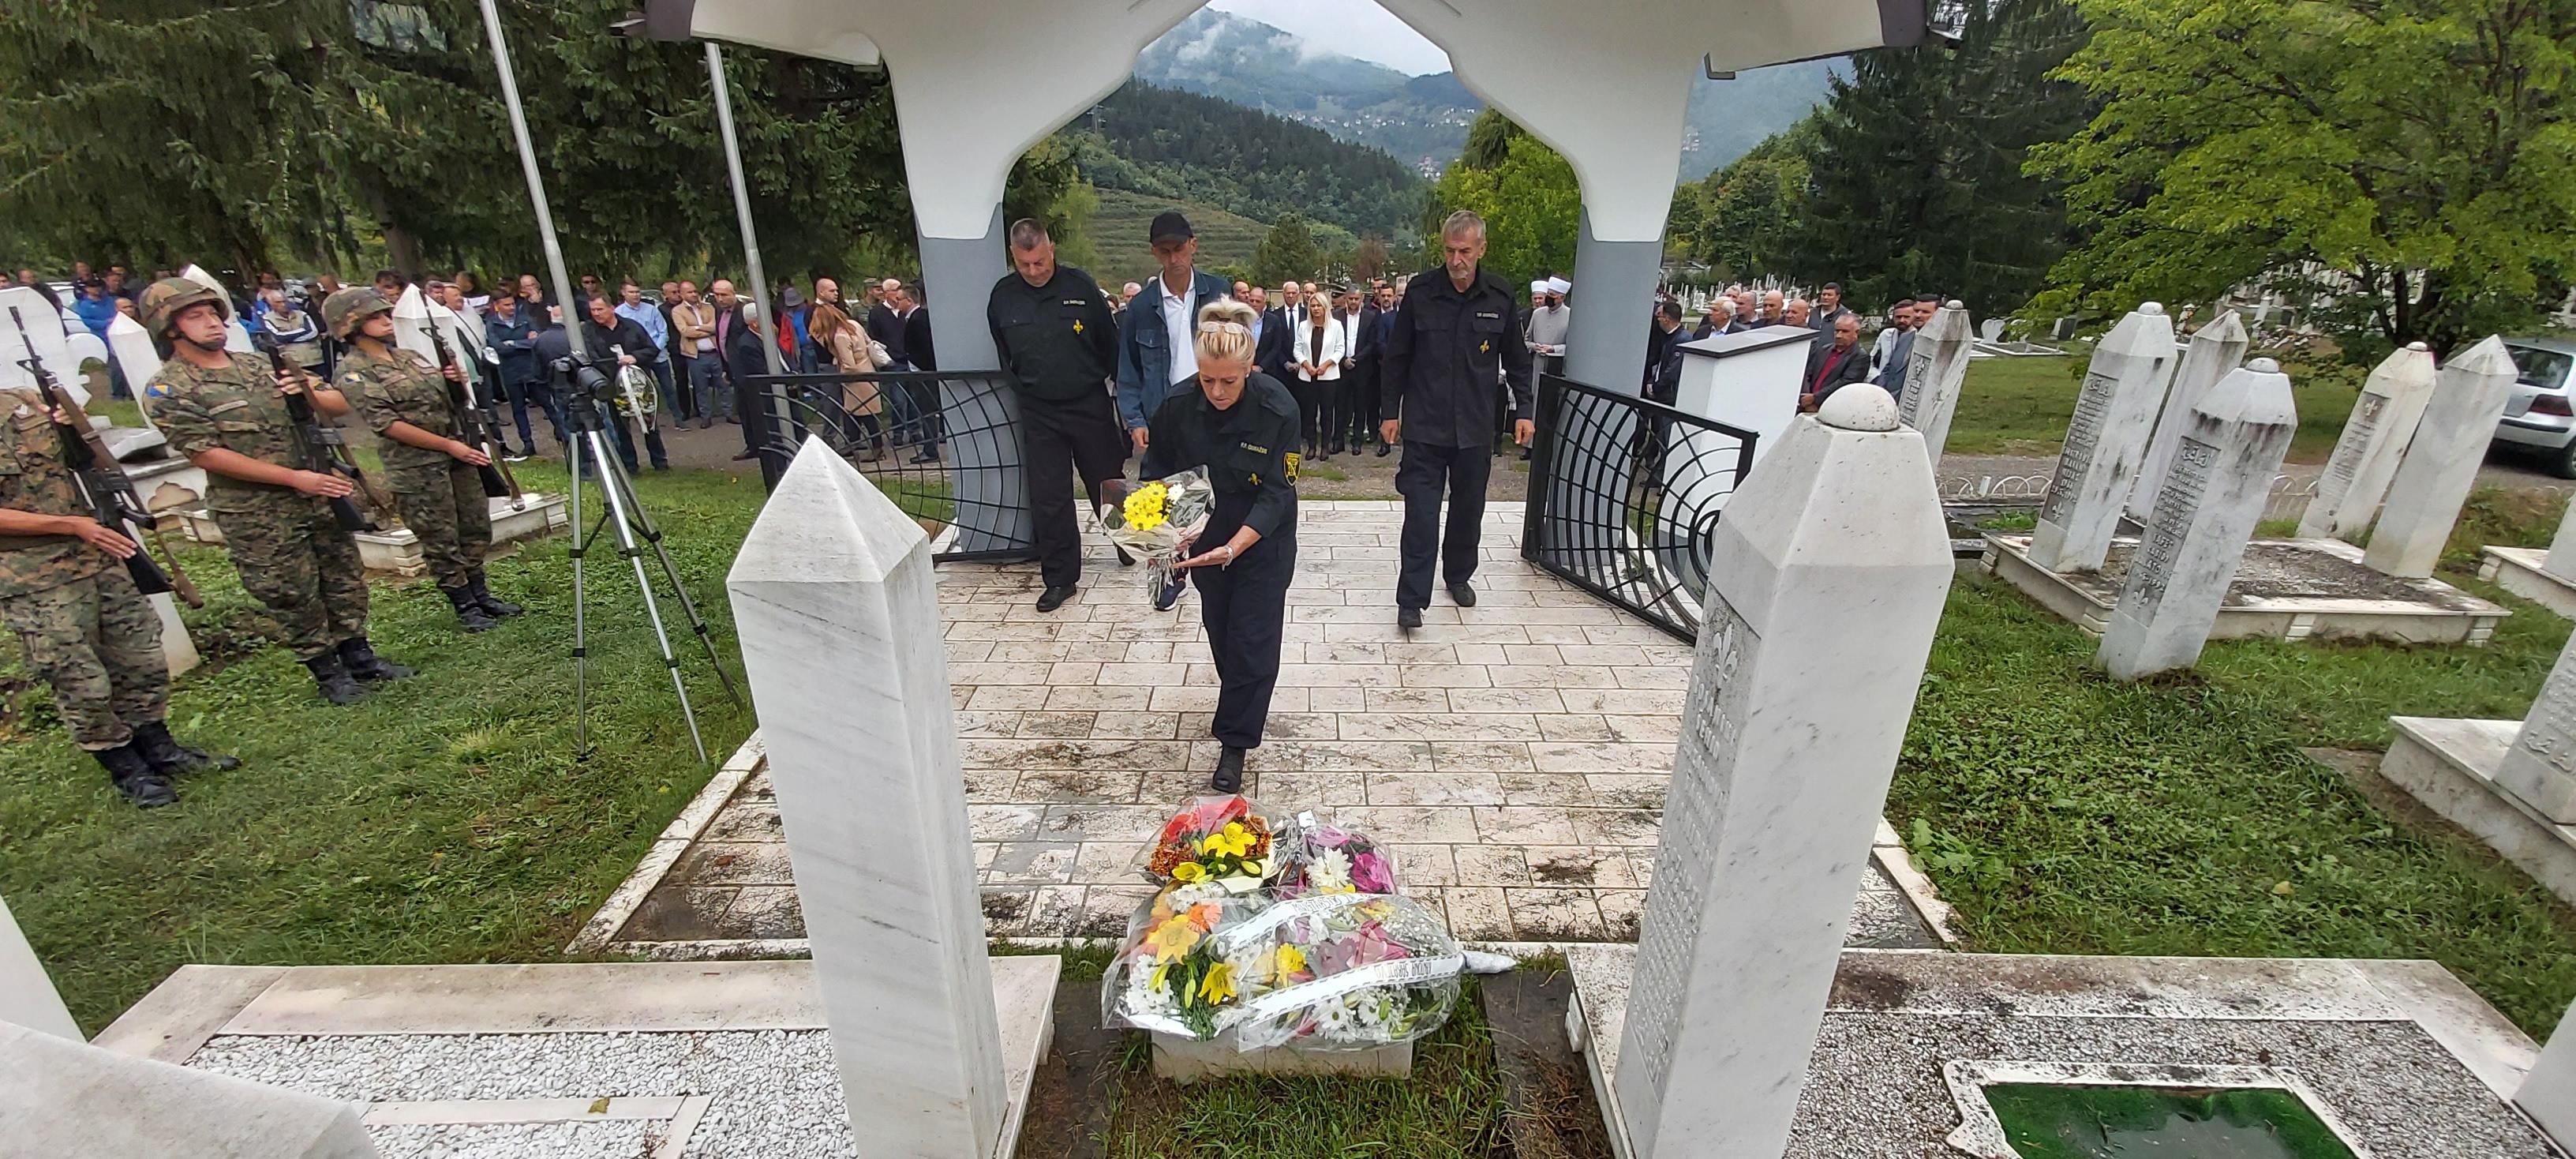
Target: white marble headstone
2548 1093
2212 497
2214 350
1935 369
27 994
1826 581
2373 441
2561 560
2540 767
2106 440
65 1099
2441 464
838 614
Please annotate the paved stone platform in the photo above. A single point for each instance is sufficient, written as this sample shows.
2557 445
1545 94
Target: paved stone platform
1515 753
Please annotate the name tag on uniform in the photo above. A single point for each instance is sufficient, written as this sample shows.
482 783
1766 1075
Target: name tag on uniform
1254 449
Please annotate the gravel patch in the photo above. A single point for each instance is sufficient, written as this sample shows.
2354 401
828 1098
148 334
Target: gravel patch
776 1094
607 1140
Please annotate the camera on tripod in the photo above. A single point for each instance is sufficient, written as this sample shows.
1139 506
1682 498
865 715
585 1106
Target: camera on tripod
578 376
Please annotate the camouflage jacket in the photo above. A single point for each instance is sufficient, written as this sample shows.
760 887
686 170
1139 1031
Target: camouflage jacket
399 389
34 478
236 408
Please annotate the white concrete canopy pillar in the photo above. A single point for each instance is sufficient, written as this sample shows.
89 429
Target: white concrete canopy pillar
2213 494
2106 439
2548 1093
2372 444
27 994
1935 370
838 614
2441 464
2215 350
1826 580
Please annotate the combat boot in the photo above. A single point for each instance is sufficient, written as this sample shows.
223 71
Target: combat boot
168 755
492 605
359 658
469 612
334 680
136 778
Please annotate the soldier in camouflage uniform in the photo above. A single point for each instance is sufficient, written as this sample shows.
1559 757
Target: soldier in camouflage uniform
86 629
404 400
275 516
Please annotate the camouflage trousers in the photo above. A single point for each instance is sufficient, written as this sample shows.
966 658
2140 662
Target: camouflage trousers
98 642
293 558
443 505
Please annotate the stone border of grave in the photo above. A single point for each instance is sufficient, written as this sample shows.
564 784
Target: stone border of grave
2520 570
680 1115
1883 982
200 1003
2450 766
2008 558
1981 1134
599 933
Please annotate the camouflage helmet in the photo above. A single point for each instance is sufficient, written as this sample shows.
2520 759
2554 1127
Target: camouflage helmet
343 310
163 301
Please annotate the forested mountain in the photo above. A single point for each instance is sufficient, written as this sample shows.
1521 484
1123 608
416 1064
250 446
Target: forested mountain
1188 147
1423 120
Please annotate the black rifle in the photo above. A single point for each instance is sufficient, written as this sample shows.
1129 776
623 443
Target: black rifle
472 421
319 445
103 485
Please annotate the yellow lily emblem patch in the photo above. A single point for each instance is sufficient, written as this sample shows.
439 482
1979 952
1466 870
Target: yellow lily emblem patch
1291 457
1077 325
1484 347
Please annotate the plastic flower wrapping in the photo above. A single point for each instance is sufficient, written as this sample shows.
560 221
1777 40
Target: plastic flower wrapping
1151 521
1348 971
1169 977
1221 841
1317 857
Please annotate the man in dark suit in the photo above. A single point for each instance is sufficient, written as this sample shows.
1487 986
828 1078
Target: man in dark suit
1831 368
1271 347
740 344
1376 323
917 349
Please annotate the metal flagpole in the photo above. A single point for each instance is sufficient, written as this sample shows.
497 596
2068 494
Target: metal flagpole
536 183
741 198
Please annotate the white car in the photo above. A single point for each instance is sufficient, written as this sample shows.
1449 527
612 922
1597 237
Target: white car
2541 416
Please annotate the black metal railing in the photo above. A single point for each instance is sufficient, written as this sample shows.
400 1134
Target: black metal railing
1623 496
944 446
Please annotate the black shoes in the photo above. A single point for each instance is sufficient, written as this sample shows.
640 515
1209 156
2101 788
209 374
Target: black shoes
1408 618
469 613
1054 597
493 605
333 680
1466 596
739 456
1229 771
924 457
170 758
135 777
358 658
1382 450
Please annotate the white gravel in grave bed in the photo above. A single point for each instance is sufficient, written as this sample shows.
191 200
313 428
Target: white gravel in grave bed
775 1093
628 1139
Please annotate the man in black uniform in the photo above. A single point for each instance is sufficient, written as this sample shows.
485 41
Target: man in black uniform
1456 331
1059 343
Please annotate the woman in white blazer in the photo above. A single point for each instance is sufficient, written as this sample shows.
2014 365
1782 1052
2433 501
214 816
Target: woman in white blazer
1318 345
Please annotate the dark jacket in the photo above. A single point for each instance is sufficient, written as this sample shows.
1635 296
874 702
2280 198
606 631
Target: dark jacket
1248 450
1820 382
1276 350
1057 341
1664 364
917 349
1899 351
626 336
887 329
515 340
738 342
1448 349
1144 347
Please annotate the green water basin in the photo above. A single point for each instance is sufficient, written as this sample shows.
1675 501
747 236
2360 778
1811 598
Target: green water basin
2064 1121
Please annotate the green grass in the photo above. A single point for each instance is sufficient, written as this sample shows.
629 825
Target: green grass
1452 1107
442 820
2020 406
1118 230
2063 813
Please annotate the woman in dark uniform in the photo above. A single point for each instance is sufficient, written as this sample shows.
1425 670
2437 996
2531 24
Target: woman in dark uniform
1242 428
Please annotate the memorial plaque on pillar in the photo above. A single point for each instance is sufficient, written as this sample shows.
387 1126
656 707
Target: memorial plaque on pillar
2441 463
2373 441
1826 581
839 619
2214 350
1934 372
2212 497
2540 768
2106 440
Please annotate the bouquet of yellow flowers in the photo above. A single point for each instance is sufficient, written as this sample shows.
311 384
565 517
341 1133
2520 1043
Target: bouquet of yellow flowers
1220 841
1152 522
1168 976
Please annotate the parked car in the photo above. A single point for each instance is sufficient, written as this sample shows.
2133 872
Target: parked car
2541 416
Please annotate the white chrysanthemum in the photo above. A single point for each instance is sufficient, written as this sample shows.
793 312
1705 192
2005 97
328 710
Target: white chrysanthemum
1184 896
1329 872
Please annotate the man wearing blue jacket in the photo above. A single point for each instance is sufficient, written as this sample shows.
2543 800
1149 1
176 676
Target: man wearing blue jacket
1157 334
510 332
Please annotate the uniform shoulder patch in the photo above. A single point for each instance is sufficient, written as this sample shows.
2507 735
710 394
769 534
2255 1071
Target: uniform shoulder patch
1291 458
159 387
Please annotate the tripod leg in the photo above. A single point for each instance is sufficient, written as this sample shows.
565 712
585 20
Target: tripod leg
580 650
644 525
615 489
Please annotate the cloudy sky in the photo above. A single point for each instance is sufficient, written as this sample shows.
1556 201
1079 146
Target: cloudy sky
1351 27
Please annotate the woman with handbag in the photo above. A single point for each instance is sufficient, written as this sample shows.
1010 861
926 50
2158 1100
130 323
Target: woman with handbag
853 352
